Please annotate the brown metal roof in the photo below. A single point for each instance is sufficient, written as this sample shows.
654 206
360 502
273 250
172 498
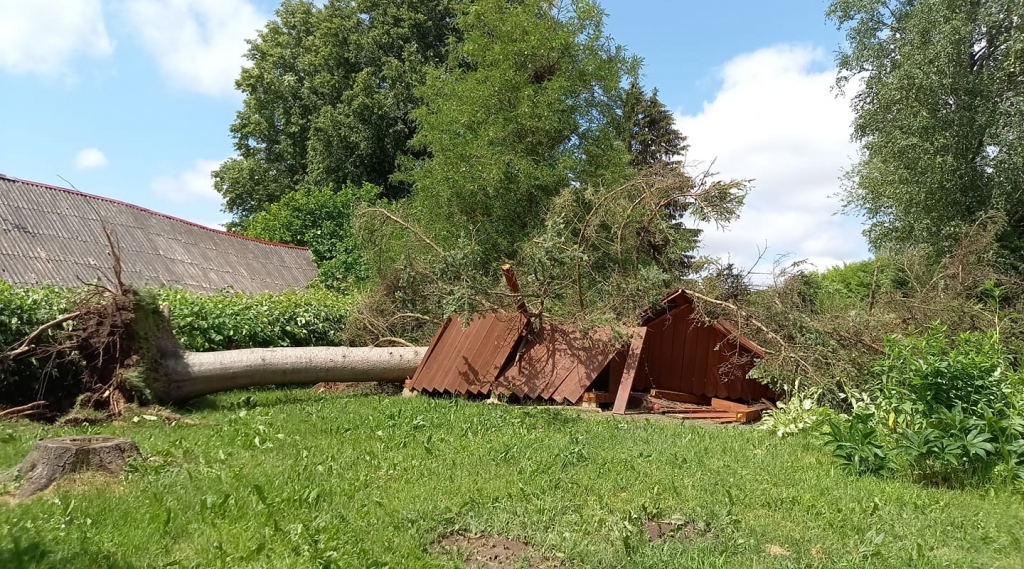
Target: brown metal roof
683 354
558 364
468 361
55 235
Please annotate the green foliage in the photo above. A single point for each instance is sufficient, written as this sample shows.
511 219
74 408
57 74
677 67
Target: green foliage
292 478
650 128
606 255
801 411
947 411
25 380
526 106
232 320
328 93
853 286
939 115
320 220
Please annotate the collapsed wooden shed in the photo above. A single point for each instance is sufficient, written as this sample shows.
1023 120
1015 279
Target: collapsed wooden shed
673 351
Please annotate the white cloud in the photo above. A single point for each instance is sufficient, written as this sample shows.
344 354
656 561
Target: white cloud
90 158
190 185
43 36
198 44
777 120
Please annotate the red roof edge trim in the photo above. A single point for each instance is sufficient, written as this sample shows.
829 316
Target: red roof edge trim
151 212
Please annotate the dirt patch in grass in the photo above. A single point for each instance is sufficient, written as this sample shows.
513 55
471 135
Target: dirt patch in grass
493 552
359 388
685 532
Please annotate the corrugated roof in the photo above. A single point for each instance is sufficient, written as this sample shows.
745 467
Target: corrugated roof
55 235
557 363
468 361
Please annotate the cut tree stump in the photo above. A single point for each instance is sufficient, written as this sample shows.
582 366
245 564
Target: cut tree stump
51 459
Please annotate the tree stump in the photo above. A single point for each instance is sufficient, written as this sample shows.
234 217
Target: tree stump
51 459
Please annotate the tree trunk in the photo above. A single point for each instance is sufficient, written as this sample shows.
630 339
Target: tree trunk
51 459
195 374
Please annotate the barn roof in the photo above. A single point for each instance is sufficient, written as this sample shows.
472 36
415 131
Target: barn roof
56 235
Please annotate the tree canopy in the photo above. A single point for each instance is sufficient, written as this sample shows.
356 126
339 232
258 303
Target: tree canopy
940 114
526 105
327 97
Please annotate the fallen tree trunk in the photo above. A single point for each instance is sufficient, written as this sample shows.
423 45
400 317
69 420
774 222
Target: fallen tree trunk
194 374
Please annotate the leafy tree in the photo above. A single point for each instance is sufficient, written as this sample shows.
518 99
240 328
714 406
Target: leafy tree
526 105
318 219
650 131
327 97
940 115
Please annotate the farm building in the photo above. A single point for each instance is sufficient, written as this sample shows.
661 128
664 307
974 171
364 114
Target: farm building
673 354
57 236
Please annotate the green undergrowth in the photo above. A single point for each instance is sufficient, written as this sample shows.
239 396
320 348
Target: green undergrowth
291 478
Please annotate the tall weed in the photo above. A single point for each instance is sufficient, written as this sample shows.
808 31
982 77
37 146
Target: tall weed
945 410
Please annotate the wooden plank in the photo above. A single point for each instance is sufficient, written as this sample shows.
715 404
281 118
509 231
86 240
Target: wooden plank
664 375
702 355
703 414
689 357
598 397
680 325
751 416
730 406
679 397
629 372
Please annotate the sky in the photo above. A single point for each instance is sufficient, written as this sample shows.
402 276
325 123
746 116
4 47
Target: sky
132 99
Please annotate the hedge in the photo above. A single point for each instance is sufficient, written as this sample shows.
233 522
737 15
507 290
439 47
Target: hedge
201 322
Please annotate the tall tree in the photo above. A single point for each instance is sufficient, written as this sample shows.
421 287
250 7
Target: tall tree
650 131
940 115
328 95
527 104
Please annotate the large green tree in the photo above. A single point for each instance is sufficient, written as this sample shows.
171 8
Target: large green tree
527 104
649 129
940 114
328 93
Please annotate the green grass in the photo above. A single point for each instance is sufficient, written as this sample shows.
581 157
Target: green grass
295 479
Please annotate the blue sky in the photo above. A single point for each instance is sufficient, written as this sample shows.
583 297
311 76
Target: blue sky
132 99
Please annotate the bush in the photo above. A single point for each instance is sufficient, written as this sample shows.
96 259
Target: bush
944 410
25 380
233 320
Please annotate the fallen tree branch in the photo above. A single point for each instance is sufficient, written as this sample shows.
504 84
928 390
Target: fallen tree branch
23 410
26 344
782 343
394 340
415 231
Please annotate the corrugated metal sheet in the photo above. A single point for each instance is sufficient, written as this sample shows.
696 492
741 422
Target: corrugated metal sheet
468 360
55 235
682 354
557 364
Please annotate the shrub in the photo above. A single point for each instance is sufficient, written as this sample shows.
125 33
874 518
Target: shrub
22 310
946 410
801 412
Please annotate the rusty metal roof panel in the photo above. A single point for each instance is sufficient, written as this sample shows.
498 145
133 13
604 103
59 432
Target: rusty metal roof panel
558 363
468 361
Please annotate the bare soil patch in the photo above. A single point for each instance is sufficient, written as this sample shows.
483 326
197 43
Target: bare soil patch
493 552
685 532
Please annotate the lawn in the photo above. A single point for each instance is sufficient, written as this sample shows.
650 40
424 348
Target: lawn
291 478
